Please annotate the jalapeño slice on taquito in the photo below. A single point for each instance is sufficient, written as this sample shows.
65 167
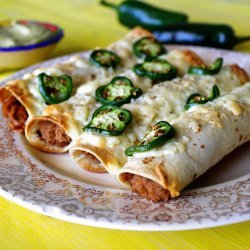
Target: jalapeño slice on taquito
204 135
165 100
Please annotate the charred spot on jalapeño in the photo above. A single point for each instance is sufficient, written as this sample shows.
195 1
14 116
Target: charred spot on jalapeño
118 92
213 69
109 120
156 136
148 48
104 58
196 98
55 89
156 69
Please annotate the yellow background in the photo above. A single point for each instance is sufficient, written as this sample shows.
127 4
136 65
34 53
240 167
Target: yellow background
86 25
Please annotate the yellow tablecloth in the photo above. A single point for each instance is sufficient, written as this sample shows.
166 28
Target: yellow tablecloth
87 25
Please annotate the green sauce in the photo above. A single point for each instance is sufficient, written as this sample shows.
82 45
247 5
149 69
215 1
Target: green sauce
18 34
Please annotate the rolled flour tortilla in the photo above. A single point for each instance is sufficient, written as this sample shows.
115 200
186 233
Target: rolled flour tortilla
204 135
164 101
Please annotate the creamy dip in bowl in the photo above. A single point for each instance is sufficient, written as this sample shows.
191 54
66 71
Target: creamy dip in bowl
25 42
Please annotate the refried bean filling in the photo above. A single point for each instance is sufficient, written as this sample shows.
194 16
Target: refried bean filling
92 157
14 111
93 164
146 187
52 134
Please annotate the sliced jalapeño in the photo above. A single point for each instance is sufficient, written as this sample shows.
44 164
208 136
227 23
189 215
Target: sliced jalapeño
148 48
156 136
104 58
156 69
118 92
55 89
213 69
196 98
109 120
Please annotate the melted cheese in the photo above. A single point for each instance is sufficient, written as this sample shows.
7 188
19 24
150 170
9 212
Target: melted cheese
177 58
200 116
165 101
82 105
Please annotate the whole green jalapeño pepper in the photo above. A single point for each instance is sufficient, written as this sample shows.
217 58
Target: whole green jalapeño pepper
156 69
213 69
55 89
109 120
202 34
118 92
104 58
156 136
148 48
132 13
196 99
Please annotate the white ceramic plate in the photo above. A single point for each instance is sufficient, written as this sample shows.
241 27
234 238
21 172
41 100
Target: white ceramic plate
53 185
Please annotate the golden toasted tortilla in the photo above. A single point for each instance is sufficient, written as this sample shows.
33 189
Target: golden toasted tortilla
183 59
23 97
220 127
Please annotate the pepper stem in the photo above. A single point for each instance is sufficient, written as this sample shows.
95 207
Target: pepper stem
242 39
110 5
